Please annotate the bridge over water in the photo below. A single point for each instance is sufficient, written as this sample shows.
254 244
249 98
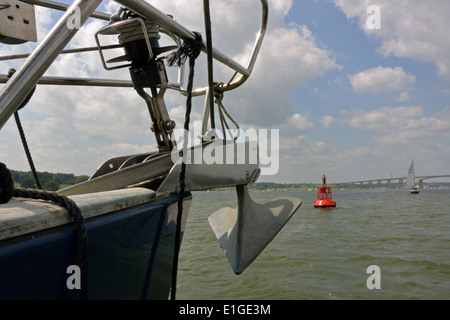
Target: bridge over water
377 183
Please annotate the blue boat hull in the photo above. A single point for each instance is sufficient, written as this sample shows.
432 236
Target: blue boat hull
130 256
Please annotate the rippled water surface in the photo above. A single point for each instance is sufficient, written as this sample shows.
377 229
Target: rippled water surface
324 253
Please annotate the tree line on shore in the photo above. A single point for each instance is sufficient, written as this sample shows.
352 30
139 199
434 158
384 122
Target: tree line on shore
49 181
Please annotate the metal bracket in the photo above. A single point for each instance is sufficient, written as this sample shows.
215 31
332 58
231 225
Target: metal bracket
17 22
153 166
214 164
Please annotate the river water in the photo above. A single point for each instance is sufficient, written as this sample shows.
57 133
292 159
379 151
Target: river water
324 254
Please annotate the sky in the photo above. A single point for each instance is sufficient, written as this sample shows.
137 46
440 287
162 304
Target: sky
354 93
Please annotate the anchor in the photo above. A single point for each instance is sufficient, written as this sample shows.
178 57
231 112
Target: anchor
244 232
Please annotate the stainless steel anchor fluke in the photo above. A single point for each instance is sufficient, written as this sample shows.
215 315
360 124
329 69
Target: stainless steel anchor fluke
244 232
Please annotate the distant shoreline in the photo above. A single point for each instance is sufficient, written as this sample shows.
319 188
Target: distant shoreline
56 181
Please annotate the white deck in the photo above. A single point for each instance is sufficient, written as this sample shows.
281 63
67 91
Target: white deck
22 216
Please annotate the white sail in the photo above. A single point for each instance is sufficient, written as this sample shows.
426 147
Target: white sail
410 180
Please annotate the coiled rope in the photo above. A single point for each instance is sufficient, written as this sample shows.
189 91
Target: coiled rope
133 32
7 191
81 255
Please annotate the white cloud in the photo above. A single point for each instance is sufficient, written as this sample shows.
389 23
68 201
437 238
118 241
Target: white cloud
382 79
289 55
384 118
388 138
411 29
402 125
288 59
297 125
384 141
327 121
404 96
396 135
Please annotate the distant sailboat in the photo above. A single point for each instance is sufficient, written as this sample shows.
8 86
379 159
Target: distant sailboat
411 180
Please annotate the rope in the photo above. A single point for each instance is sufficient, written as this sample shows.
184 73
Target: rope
27 150
133 32
218 94
210 61
191 49
80 228
22 132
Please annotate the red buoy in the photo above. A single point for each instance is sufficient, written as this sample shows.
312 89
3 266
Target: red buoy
324 198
